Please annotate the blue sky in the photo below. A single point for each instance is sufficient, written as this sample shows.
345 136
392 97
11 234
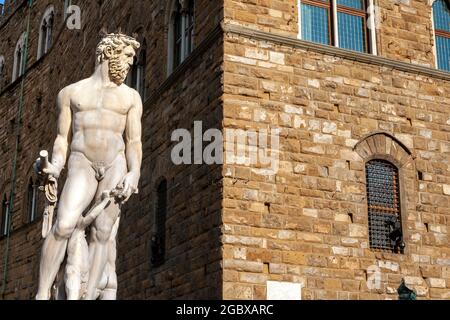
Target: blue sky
1 1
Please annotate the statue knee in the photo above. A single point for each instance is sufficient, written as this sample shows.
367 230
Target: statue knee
64 229
103 234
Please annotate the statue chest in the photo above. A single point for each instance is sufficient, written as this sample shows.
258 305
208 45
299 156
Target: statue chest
101 102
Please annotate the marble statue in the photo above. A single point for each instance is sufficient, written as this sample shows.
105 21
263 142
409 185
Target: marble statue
101 116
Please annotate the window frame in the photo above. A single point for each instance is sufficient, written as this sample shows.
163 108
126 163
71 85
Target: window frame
5 218
357 13
438 33
2 71
324 5
32 201
46 32
19 57
136 78
333 9
398 202
180 20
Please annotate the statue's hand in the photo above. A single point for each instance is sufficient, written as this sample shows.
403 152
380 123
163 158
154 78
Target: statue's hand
50 170
128 186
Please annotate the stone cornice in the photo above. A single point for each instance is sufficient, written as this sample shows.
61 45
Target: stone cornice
333 51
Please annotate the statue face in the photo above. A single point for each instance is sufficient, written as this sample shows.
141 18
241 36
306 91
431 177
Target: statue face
120 64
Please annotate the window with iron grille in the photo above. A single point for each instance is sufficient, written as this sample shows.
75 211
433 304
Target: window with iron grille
383 199
159 234
318 23
441 17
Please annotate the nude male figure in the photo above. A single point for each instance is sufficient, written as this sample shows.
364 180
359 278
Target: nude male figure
99 111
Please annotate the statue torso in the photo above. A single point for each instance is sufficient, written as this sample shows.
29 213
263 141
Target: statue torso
99 117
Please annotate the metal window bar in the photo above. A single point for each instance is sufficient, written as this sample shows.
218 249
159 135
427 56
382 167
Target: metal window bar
383 198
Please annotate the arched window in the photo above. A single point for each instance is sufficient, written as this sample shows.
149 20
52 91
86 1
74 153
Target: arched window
19 58
32 196
5 217
159 227
384 211
46 32
181 32
2 71
441 21
136 78
347 24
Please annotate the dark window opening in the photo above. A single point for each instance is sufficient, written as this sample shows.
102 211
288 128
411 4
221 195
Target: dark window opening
33 196
178 37
159 234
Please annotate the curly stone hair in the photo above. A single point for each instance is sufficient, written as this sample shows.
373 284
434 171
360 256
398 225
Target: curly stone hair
117 42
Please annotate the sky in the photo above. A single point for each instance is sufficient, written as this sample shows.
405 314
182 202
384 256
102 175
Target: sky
1 1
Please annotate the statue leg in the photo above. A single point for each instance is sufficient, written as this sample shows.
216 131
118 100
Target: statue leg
103 226
110 291
78 192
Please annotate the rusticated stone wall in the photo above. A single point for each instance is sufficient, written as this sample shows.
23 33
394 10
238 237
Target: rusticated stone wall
308 223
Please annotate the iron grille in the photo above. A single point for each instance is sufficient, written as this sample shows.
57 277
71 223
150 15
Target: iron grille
383 198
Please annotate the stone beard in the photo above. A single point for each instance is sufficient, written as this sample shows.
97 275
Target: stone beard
117 70
103 170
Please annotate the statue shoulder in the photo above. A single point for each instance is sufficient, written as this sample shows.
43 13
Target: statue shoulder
131 91
68 91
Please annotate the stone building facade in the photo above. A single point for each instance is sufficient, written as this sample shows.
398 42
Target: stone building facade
233 229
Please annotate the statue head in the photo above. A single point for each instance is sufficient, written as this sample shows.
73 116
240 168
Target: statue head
119 50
